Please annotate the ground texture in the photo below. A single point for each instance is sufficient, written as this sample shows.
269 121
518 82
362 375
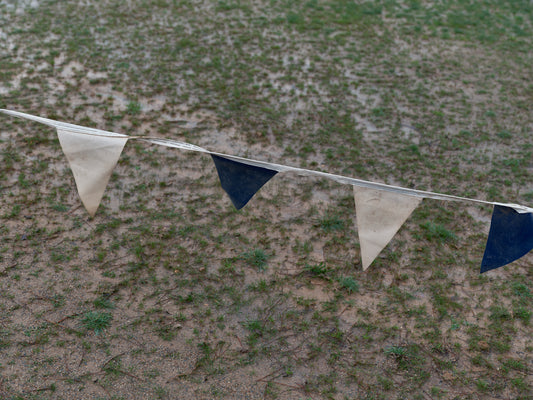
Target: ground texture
170 293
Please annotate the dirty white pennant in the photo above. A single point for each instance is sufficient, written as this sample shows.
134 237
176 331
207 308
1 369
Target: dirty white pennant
92 159
380 214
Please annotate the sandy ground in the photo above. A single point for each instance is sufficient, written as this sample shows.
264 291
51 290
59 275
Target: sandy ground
168 292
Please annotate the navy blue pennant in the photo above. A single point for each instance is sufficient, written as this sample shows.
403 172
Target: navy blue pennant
241 181
510 237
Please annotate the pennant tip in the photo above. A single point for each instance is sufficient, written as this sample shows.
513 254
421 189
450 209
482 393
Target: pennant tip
91 210
236 203
366 264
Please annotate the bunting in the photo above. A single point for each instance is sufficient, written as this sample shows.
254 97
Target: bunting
379 216
381 209
241 181
510 237
92 160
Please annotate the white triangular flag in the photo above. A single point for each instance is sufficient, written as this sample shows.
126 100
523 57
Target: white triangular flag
92 159
379 215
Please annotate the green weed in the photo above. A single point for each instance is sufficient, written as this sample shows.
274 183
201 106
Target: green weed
256 258
96 321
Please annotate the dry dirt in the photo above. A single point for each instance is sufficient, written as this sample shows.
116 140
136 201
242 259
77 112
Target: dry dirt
170 293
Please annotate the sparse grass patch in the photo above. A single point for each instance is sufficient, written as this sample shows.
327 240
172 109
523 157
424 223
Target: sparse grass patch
256 258
349 284
438 232
96 321
331 223
318 270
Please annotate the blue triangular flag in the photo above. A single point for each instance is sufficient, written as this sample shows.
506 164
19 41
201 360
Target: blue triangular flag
241 181
510 237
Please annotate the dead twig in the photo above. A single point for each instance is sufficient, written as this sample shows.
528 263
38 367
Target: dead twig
296 387
6 269
73 209
120 370
67 317
102 367
184 374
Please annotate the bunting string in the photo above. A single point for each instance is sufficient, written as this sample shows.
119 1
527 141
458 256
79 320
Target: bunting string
381 209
